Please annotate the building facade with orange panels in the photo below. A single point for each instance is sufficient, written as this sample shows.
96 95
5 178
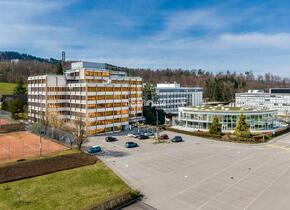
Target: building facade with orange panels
105 100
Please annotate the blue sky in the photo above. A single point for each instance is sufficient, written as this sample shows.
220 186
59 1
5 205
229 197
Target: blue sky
216 35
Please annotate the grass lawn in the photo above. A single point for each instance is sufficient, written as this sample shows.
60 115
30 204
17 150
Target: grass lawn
7 88
71 189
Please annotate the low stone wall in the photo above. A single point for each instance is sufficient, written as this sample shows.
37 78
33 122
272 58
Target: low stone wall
117 202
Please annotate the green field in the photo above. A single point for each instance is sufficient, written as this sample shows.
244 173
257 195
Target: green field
7 88
71 189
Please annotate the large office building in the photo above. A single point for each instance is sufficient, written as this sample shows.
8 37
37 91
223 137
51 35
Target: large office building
277 99
106 100
171 96
201 117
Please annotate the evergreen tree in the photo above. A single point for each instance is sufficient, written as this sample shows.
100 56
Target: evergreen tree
215 127
15 106
59 69
150 113
242 129
20 88
149 93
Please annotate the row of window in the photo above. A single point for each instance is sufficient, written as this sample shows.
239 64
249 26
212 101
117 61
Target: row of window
131 82
36 81
103 130
83 89
108 121
107 113
135 108
107 105
107 97
38 97
97 73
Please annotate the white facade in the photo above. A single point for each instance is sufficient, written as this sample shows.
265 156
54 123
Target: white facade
171 96
105 100
200 118
280 102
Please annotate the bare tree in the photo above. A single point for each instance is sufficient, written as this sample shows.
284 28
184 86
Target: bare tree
78 131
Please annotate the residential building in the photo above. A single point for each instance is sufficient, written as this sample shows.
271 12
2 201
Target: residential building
201 117
104 99
277 99
171 96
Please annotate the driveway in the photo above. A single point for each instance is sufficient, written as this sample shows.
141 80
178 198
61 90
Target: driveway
204 174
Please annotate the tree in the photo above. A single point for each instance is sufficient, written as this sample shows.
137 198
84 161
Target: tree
150 113
242 129
215 127
15 106
59 69
149 93
20 88
78 131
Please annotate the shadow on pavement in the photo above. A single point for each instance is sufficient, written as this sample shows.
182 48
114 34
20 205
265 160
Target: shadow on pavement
113 153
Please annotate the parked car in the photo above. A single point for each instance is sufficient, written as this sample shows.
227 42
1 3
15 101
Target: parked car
94 149
110 139
163 137
148 133
130 144
133 134
143 137
177 139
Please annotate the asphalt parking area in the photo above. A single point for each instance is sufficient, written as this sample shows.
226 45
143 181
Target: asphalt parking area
203 174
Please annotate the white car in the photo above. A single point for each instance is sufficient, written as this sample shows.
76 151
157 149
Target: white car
132 135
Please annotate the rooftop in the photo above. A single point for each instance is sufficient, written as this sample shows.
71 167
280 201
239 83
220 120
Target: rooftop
226 108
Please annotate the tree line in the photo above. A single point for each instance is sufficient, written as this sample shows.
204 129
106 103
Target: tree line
220 86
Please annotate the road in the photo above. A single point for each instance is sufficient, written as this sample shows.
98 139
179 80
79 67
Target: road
203 174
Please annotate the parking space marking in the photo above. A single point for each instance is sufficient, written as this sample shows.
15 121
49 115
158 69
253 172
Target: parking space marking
164 171
278 147
270 184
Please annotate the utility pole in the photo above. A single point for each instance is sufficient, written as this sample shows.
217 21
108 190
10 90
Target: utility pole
157 128
40 139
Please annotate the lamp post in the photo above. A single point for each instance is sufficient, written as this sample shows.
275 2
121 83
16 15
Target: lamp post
157 128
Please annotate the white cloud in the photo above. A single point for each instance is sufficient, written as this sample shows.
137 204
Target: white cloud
173 47
180 22
256 40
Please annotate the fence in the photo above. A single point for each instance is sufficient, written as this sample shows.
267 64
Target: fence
21 145
55 134
11 127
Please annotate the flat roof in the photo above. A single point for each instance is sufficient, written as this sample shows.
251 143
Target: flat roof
226 108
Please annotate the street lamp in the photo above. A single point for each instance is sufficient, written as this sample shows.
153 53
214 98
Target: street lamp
157 128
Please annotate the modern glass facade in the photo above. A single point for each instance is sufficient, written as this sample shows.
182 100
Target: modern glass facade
200 118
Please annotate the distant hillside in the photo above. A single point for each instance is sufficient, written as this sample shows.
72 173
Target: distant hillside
10 55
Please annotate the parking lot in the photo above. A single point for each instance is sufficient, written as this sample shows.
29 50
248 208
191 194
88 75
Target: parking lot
203 174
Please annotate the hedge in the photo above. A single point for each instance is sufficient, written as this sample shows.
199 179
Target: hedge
32 168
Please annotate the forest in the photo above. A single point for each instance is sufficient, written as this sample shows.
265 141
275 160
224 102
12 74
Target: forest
220 86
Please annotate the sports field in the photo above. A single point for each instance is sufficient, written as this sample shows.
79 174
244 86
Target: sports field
22 144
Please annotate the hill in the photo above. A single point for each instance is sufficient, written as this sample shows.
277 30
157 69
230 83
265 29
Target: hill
11 55
217 86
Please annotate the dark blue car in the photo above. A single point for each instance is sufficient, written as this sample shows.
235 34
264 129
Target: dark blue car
94 149
131 144
177 139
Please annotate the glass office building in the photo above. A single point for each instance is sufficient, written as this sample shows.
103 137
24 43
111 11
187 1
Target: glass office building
201 117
